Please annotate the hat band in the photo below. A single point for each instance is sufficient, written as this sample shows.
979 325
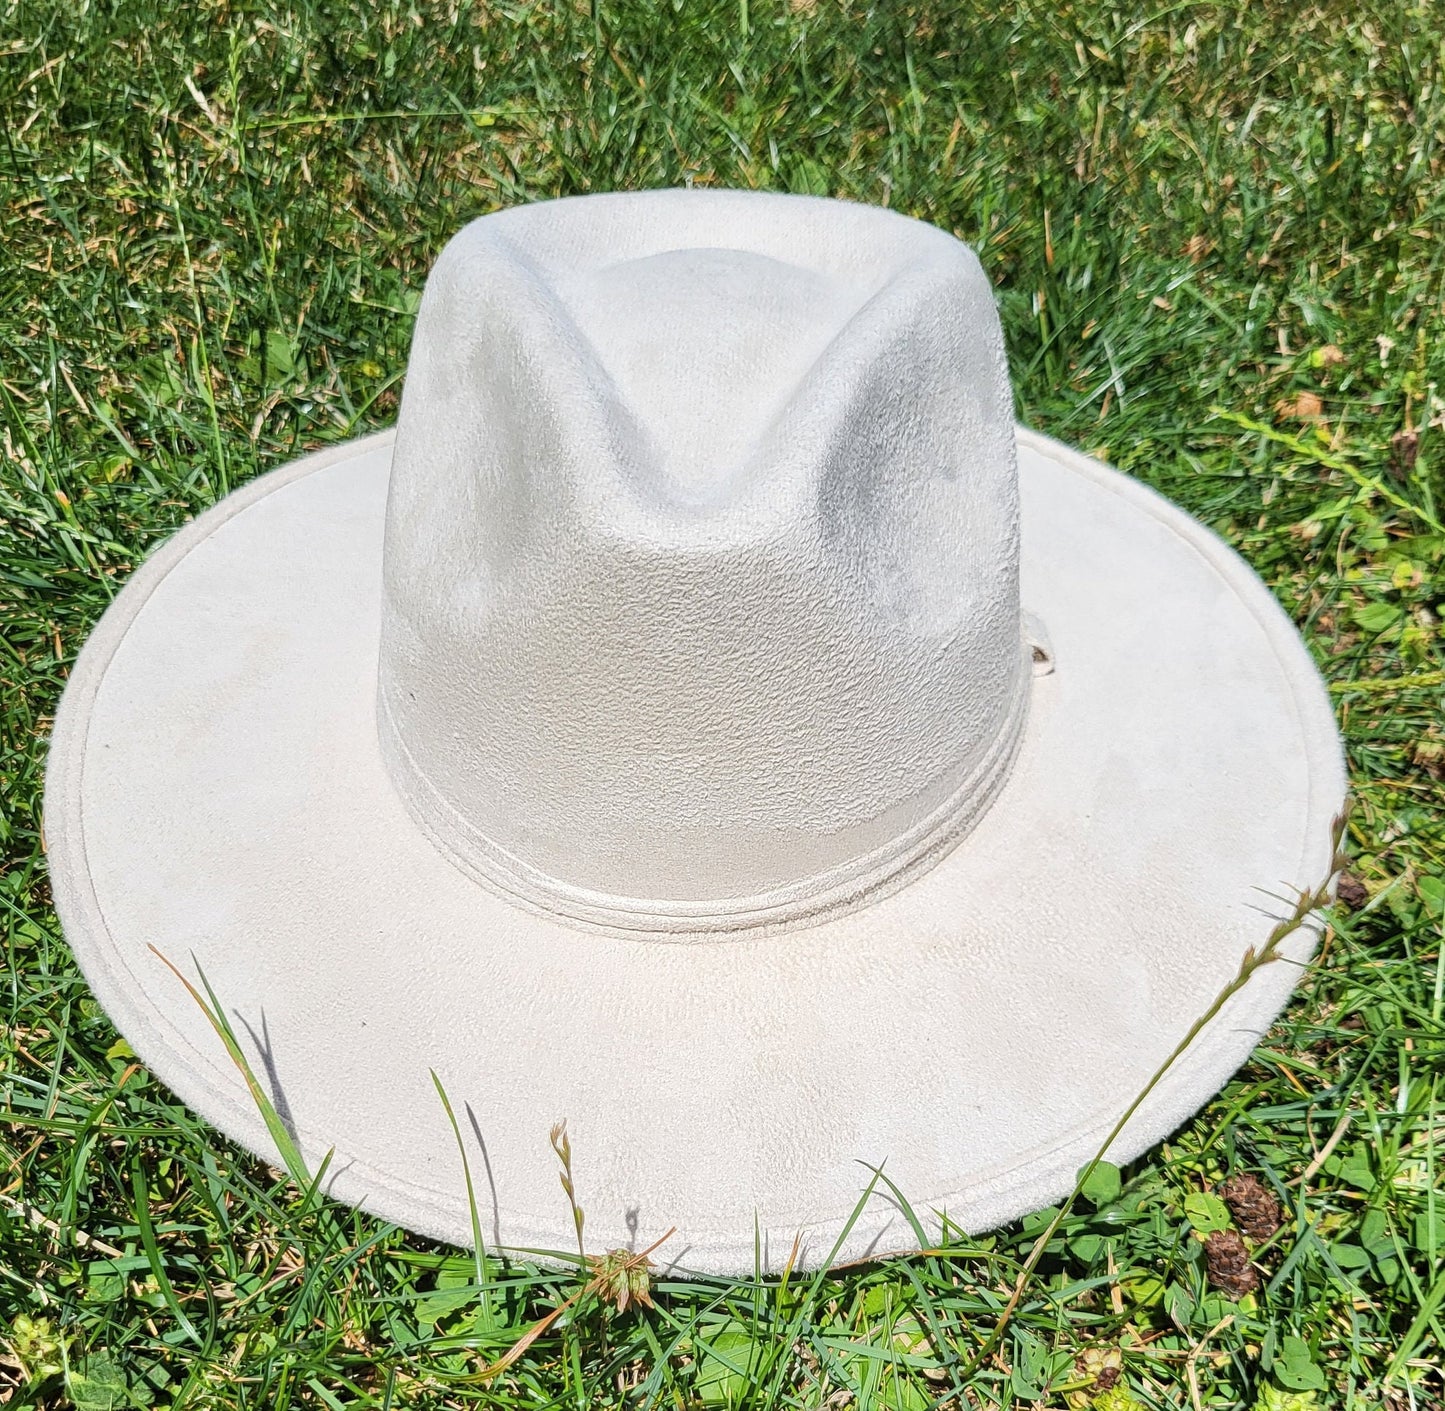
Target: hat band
806 901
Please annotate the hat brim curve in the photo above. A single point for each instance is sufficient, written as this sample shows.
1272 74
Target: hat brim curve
216 793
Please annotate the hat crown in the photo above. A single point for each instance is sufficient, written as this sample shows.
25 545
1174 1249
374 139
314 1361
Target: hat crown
701 595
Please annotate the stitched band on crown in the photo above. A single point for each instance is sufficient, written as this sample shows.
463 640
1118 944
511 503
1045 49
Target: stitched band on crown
843 888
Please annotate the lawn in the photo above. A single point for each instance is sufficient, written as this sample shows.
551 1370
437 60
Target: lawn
1217 236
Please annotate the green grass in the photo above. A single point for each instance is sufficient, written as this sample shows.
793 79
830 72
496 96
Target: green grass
1218 245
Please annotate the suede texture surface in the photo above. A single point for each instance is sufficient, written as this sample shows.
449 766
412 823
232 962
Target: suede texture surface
217 789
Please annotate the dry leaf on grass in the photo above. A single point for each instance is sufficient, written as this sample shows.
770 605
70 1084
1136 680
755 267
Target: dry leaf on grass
1303 406
1404 450
1227 1262
1254 1208
1351 891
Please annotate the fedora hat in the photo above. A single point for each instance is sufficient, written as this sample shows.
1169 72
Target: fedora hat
710 720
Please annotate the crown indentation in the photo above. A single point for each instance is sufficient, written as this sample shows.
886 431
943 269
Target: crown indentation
701 595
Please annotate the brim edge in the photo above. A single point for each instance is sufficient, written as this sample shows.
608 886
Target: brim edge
1189 1086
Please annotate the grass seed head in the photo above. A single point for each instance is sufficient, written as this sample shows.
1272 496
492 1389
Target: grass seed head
622 1278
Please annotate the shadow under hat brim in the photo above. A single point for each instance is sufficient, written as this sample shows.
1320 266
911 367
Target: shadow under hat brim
215 791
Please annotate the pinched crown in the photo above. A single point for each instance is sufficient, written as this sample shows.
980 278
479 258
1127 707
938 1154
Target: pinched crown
701 602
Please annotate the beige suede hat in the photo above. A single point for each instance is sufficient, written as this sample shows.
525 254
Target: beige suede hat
707 719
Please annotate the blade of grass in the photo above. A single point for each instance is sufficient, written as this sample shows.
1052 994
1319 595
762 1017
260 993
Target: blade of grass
277 1129
479 1260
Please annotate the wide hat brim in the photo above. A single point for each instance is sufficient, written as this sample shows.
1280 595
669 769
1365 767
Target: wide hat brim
215 794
